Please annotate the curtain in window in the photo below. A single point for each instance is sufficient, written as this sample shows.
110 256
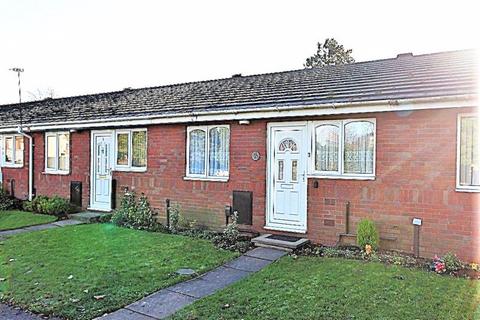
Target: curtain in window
469 152
196 157
18 150
122 149
218 152
9 149
51 152
359 147
63 150
326 151
139 149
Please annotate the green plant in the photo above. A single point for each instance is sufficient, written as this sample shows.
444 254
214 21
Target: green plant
367 234
55 206
452 263
135 215
7 202
175 217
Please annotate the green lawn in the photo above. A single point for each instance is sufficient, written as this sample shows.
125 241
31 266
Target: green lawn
323 288
18 219
59 271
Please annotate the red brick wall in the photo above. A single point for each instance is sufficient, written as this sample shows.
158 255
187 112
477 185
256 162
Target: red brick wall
57 184
415 177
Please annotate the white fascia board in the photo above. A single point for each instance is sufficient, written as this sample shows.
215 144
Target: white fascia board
267 113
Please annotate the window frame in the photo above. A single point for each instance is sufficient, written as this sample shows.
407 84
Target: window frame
129 167
458 186
206 176
340 173
56 170
11 164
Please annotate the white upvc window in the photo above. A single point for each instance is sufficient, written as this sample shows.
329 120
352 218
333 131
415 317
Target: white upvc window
208 152
131 150
468 153
343 149
57 152
12 151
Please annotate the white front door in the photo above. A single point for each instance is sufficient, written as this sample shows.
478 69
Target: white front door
287 181
101 192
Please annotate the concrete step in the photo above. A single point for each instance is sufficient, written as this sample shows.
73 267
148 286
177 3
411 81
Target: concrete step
86 216
280 242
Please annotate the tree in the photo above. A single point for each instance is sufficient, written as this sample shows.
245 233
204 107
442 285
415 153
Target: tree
329 53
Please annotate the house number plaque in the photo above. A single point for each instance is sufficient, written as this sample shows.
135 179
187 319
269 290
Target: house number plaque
255 155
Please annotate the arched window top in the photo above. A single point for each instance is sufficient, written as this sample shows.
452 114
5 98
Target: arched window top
288 144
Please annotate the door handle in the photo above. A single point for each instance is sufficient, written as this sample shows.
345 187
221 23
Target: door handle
303 176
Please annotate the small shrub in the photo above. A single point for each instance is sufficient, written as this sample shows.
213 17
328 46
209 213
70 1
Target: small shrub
28 206
55 206
135 215
7 202
452 263
105 218
175 217
367 234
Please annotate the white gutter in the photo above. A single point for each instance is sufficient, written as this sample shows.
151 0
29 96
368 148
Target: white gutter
267 112
30 162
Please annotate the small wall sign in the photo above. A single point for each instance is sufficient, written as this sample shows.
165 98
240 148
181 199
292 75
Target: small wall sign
417 222
255 156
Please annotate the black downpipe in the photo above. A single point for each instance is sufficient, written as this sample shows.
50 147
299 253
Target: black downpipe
167 203
347 217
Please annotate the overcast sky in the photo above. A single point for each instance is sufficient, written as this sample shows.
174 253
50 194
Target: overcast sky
90 46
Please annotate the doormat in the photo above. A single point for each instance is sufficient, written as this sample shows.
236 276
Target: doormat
283 238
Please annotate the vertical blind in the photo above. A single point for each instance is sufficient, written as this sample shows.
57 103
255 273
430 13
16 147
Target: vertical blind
197 152
359 147
469 152
218 152
326 151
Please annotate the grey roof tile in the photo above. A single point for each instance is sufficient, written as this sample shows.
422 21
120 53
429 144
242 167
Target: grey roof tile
431 75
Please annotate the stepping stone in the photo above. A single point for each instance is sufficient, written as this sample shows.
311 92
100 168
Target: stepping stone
249 264
69 222
185 272
124 314
209 283
265 253
161 304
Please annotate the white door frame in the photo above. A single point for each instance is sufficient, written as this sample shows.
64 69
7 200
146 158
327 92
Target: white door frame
306 147
93 148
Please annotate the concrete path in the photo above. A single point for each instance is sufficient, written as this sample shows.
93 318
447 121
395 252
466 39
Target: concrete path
52 225
169 300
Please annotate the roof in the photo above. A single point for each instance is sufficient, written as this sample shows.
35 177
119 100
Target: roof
405 77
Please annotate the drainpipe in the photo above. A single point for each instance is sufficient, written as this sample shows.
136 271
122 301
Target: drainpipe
30 162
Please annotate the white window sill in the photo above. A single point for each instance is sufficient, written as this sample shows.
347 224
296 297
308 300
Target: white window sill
466 189
222 179
341 177
13 166
62 173
131 169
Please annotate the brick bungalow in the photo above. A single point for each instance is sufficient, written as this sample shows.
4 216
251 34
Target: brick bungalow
305 152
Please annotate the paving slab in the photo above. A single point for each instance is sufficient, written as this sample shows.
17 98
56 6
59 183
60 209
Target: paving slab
249 264
161 304
69 222
266 253
124 314
40 227
11 313
209 283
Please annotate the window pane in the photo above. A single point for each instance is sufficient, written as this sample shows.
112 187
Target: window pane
122 149
9 149
280 169
18 150
51 152
359 147
294 170
326 148
196 158
469 152
63 151
218 152
139 149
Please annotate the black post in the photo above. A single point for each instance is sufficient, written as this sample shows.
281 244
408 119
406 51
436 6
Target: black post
167 202
416 241
347 217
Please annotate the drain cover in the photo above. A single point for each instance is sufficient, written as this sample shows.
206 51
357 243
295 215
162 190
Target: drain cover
185 272
283 238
